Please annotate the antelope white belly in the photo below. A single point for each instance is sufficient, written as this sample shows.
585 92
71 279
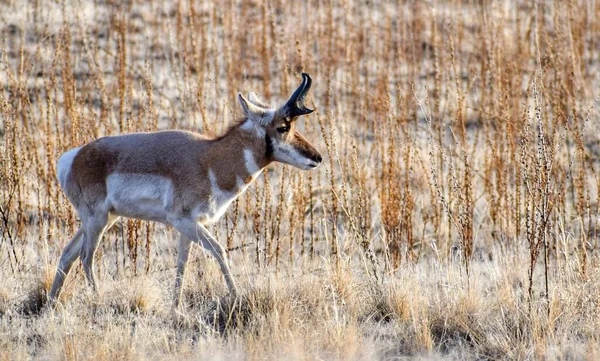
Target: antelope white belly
141 196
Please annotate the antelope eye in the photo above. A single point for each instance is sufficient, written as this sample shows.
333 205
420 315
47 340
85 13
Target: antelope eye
283 129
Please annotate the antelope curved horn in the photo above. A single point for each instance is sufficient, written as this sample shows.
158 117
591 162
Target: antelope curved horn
295 105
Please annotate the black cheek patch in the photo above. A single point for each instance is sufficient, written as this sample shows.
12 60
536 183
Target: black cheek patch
269 147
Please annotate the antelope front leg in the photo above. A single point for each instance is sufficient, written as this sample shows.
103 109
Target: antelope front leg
182 256
199 234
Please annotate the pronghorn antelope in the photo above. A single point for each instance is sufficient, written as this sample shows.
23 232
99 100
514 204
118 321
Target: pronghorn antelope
179 178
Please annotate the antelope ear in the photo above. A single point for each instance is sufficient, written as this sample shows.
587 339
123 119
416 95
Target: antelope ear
253 98
253 111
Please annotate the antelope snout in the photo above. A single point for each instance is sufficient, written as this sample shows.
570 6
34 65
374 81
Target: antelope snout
314 161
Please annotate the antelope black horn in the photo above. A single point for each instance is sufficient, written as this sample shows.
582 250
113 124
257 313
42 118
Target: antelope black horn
295 105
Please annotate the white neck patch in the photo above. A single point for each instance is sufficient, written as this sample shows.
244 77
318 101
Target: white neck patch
251 166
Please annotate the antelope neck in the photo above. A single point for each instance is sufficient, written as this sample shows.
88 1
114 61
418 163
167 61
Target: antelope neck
241 153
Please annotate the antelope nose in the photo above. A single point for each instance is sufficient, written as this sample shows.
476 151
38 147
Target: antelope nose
317 158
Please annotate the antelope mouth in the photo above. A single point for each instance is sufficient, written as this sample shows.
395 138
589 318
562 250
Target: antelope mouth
312 165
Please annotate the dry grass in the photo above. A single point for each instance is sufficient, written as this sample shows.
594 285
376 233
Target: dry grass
456 216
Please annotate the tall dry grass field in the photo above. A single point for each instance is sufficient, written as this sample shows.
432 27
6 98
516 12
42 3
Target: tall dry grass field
455 217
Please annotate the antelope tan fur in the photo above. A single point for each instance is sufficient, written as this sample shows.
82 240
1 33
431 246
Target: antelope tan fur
179 178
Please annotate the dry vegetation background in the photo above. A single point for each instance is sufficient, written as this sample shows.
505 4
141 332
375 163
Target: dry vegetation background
456 215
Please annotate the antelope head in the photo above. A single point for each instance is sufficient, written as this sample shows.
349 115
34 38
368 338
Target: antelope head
284 143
